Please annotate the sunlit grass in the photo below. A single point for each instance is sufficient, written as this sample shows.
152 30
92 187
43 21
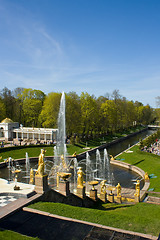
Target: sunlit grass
10 235
148 162
141 217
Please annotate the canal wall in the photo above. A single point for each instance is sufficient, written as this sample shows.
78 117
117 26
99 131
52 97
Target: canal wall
106 145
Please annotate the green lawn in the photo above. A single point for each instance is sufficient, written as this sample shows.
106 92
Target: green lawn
141 217
148 162
17 153
10 235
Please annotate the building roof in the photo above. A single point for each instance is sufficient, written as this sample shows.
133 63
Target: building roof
7 120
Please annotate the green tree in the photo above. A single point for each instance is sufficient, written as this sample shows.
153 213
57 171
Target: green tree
88 113
18 105
147 115
8 101
110 113
32 102
2 110
49 114
73 113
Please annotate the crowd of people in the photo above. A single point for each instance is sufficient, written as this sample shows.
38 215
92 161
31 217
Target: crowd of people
154 148
19 142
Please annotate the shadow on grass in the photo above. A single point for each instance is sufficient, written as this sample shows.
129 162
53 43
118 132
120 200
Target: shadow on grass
138 162
110 206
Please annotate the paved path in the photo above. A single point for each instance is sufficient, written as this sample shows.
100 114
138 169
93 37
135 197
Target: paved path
6 187
5 200
16 205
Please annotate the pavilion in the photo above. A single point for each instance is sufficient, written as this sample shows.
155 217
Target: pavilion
10 130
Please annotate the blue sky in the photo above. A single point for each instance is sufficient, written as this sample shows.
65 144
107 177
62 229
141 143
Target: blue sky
93 46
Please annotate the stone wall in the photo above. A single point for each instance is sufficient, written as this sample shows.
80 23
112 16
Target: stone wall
71 199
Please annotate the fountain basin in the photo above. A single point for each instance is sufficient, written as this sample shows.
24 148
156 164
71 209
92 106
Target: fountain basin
123 172
64 175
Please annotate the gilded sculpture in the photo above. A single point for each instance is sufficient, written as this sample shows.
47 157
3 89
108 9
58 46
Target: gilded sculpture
63 161
112 158
137 188
146 177
40 170
118 189
31 176
80 178
103 186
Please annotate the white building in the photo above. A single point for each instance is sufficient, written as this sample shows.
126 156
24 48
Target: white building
6 128
10 130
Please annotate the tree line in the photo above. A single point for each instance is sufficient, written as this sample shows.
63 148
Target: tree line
86 115
149 141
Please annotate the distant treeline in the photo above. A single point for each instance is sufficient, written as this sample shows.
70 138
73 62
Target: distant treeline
86 115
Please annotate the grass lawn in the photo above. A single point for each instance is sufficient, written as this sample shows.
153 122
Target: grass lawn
141 217
148 162
16 153
10 235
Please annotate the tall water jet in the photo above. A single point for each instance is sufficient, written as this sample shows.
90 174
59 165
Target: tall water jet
61 134
75 165
27 164
107 166
88 169
99 167
9 168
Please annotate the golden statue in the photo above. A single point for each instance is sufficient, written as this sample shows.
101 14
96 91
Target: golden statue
31 176
41 157
103 186
57 179
80 178
74 154
118 189
63 161
112 158
137 189
146 177
40 170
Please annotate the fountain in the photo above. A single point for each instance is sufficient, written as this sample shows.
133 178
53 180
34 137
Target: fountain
60 150
27 165
9 168
61 135
62 166
107 166
95 168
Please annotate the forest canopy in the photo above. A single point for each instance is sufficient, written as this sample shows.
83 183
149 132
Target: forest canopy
85 114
